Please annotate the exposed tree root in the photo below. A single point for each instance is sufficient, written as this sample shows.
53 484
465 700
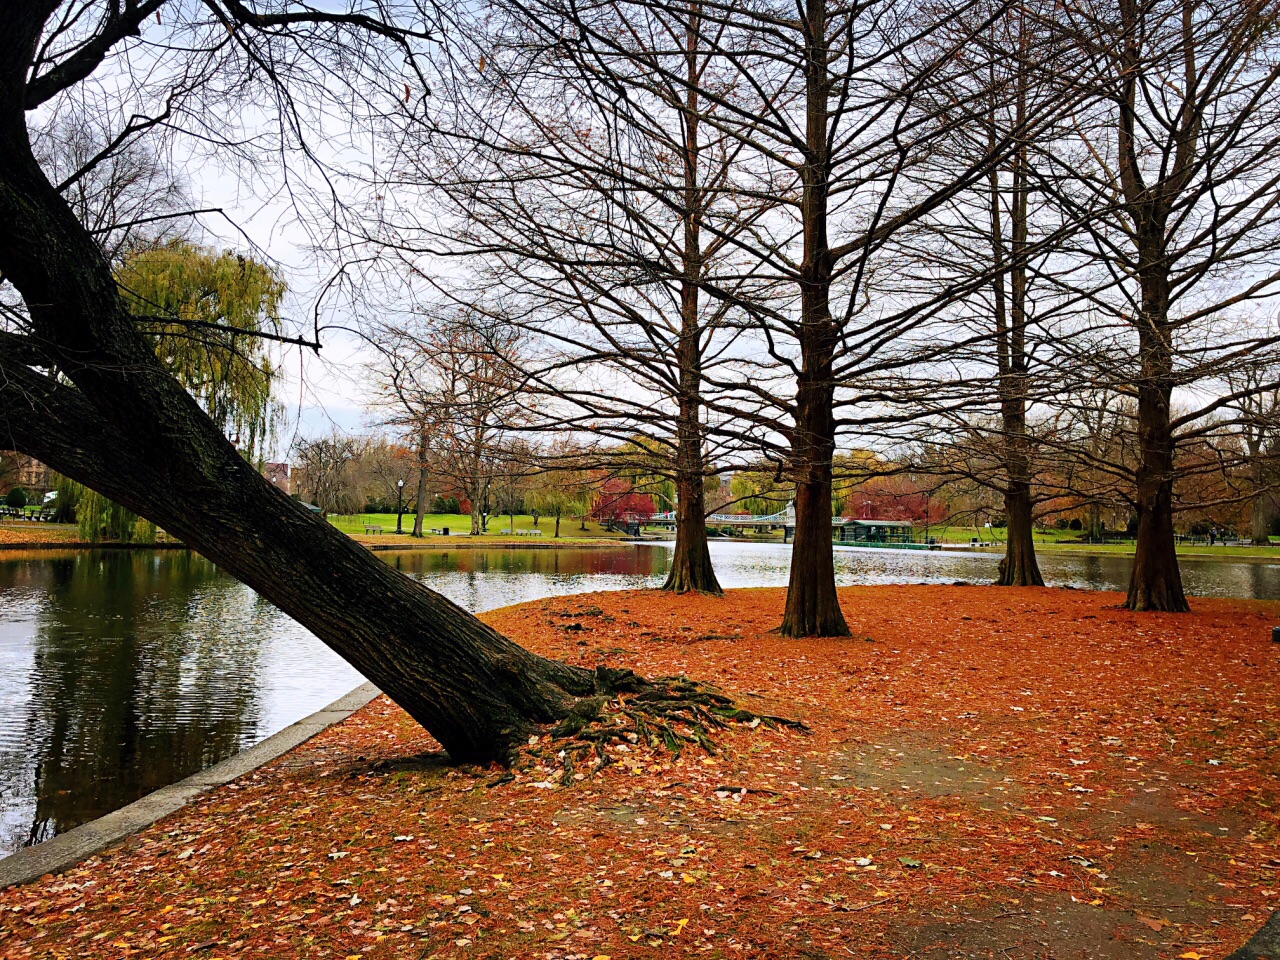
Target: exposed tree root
668 713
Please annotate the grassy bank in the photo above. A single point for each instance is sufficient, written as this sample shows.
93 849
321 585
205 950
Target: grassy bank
460 525
989 772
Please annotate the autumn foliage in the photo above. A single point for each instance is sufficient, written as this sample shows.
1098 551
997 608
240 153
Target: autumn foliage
989 773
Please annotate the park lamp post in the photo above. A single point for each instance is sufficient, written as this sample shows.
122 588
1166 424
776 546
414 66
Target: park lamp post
399 504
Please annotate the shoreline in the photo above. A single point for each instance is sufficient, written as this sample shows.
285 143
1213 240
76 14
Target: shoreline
65 850
462 543
465 542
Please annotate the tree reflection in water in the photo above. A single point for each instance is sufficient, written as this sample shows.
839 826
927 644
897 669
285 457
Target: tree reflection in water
132 682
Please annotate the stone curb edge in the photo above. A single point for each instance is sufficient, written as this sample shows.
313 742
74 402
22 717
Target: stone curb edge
68 849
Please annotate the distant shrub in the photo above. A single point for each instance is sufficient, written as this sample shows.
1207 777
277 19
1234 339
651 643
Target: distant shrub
445 505
1060 523
17 497
1075 524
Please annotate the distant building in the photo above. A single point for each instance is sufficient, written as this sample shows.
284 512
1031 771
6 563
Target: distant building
19 470
279 475
717 493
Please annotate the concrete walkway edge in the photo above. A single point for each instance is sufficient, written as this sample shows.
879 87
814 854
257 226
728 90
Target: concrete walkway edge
68 849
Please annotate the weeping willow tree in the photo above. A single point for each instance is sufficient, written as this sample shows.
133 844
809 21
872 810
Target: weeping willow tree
102 519
205 312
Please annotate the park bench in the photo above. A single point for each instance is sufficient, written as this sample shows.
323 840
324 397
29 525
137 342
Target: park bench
372 528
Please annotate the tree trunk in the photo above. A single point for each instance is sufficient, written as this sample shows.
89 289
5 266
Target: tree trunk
1260 512
1019 567
421 504
691 560
557 524
691 568
126 428
1095 521
1156 581
813 610
812 607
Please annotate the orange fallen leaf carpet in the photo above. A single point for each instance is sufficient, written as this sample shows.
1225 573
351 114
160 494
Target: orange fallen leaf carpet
990 773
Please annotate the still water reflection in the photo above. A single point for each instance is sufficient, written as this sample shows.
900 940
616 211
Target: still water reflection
123 671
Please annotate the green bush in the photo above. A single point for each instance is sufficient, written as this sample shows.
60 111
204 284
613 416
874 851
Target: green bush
17 497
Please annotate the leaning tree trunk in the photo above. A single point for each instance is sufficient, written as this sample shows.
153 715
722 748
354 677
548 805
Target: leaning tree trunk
1156 581
126 428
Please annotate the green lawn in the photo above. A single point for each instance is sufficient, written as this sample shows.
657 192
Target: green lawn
460 525
960 534
1068 541
1184 550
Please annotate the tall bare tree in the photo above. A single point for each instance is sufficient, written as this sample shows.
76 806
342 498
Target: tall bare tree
594 187
1256 414
454 380
1180 192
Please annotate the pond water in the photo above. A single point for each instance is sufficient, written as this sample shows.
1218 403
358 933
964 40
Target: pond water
123 671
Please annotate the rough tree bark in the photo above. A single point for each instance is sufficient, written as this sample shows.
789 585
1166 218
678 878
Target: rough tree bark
1260 504
813 610
691 559
691 567
1156 580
